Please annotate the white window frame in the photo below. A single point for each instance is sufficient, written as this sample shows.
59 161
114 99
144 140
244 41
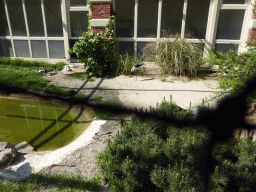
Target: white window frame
209 41
45 38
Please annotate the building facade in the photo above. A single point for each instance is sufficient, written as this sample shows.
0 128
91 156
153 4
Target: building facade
46 29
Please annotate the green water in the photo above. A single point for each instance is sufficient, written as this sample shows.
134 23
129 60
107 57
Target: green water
45 126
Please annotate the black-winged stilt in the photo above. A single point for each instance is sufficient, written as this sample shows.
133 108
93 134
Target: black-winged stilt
136 67
41 70
53 72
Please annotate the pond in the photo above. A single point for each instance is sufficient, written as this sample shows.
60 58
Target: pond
45 125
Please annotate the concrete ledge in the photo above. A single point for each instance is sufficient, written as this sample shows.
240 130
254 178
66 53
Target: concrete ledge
99 23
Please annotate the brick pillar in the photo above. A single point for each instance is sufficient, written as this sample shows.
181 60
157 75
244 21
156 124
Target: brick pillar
101 11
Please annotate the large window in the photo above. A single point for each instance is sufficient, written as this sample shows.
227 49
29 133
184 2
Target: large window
144 21
141 21
230 32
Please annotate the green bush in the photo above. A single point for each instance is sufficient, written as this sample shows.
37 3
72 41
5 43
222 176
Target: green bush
52 89
149 155
177 57
96 51
142 159
234 69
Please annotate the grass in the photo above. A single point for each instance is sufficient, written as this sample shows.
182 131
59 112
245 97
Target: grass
96 98
104 113
61 182
24 74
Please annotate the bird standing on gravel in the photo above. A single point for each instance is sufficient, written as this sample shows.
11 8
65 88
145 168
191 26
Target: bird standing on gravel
136 67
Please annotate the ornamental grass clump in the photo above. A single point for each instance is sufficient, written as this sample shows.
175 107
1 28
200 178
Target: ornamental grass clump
125 64
176 56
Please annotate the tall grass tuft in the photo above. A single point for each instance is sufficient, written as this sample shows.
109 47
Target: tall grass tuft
176 56
125 64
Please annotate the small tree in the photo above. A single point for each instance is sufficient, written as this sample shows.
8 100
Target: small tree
96 51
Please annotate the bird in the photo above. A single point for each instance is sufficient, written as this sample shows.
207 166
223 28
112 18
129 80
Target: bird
53 72
41 70
68 68
136 67
67 58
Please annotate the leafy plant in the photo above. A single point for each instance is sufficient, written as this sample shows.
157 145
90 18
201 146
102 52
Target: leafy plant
177 57
234 69
96 51
96 98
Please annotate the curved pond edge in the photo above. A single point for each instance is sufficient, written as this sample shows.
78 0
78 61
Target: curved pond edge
36 161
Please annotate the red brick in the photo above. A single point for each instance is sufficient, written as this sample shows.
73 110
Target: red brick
101 10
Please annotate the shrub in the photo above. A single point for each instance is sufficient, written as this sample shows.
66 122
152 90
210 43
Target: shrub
96 51
141 159
234 69
149 155
177 57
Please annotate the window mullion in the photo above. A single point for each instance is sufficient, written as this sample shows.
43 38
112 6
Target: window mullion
64 26
10 28
159 19
27 27
45 29
135 27
184 18
212 25
245 28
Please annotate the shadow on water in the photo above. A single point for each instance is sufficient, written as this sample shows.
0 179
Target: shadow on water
59 119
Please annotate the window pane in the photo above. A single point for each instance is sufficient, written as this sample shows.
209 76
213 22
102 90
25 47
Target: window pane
6 48
140 47
226 47
35 18
196 19
124 18
16 17
53 18
234 1
56 49
230 24
76 3
38 49
172 12
79 23
4 30
21 48
125 46
147 18
73 55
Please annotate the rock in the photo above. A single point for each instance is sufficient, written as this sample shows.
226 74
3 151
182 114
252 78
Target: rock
7 153
24 147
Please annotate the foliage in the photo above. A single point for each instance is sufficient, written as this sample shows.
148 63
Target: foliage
177 57
142 159
61 182
96 51
125 63
234 69
148 155
237 167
